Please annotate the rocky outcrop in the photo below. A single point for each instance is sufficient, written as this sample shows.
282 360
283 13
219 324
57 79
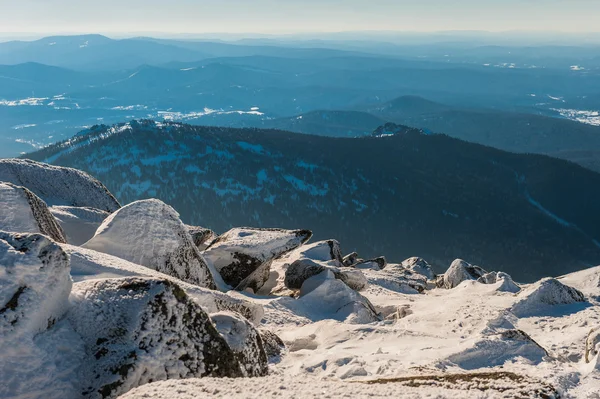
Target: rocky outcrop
57 185
150 233
23 212
303 269
34 284
245 341
460 271
547 292
350 259
138 330
243 256
592 344
504 281
79 224
397 278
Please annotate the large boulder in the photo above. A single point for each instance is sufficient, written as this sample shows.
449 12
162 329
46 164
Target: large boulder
243 256
245 341
274 346
138 330
34 284
87 264
546 293
372 264
302 269
57 185
460 271
150 233
24 212
79 224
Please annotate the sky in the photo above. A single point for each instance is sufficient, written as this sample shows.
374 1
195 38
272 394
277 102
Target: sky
287 16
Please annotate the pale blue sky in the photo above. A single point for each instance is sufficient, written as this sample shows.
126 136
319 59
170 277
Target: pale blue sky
286 16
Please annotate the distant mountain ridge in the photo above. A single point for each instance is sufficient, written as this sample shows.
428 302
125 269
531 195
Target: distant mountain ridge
411 194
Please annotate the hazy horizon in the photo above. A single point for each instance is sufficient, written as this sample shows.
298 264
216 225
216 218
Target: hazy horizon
37 17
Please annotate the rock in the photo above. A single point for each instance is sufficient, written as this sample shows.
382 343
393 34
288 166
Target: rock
420 266
398 279
34 284
592 344
302 269
373 264
333 299
87 264
274 346
23 212
57 185
79 224
201 236
547 292
137 330
460 271
243 256
150 234
350 259
321 250
245 342
496 349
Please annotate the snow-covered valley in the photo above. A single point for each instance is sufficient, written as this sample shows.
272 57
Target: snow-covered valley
131 302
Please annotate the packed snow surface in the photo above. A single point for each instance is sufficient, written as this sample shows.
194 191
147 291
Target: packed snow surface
79 224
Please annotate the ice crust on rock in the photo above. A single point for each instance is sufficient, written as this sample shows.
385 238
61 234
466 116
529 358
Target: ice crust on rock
202 236
24 212
419 266
57 185
138 330
34 284
150 233
243 256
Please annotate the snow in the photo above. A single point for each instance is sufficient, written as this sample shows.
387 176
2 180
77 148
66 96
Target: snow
57 185
150 233
79 224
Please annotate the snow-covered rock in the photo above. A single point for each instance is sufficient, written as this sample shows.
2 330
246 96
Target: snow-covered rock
592 344
273 345
79 224
397 278
333 299
245 342
495 350
350 259
34 284
460 271
202 237
150 233
23 212
303 269
243 256
375 264
138 330
420 266
547 292
587 281
503 280
87 264
57 185
321 250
